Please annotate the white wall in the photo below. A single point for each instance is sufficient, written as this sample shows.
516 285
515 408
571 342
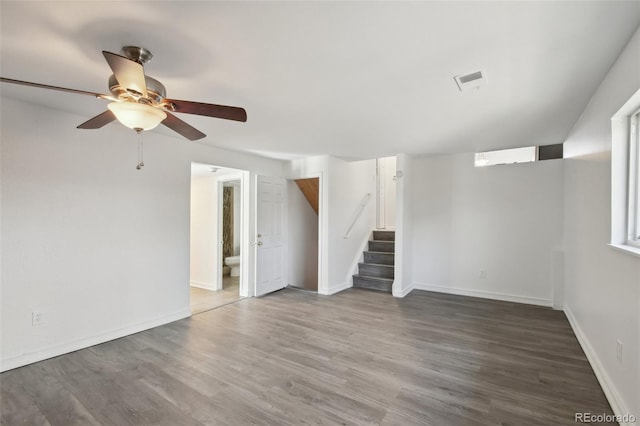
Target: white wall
100 248
302 235
204 232
386 193
343 186
503 220
403 281
350 183
602 294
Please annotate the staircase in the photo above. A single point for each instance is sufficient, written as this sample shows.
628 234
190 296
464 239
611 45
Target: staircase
376 272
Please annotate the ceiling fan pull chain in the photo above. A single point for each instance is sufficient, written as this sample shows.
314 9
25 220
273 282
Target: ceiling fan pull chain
140 150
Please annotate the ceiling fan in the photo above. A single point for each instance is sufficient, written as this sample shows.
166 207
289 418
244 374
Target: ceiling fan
139 101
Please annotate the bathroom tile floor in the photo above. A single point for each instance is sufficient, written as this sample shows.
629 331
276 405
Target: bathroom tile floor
202 300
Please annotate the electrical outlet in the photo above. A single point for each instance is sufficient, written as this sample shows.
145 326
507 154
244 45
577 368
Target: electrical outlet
483 273
619 351
36 318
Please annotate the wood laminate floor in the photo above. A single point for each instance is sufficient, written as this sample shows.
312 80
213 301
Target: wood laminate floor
201 300
297 358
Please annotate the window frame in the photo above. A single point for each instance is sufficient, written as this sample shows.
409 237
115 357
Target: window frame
625 192
633 180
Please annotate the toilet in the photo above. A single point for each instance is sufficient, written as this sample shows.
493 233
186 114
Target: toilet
234 263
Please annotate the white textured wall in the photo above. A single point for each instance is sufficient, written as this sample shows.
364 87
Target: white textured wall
100 248
386 185
350 183
204 240
404 252
602 285
504 220
302 236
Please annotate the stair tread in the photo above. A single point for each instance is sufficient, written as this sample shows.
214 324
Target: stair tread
380 252
373 278
376 264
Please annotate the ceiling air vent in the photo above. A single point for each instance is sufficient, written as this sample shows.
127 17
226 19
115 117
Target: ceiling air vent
471 81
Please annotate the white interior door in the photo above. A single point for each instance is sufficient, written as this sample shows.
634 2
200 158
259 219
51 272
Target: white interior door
269 235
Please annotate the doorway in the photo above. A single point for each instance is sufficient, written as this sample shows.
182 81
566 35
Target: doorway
217 243
303 212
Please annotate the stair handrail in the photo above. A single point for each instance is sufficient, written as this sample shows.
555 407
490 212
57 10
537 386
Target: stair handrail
361 207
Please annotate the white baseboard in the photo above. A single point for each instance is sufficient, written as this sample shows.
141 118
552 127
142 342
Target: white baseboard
397 292
483 294
205 286
335 289
610 391
74 345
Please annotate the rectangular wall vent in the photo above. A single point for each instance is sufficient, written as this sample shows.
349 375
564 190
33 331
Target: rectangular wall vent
470 77
471 81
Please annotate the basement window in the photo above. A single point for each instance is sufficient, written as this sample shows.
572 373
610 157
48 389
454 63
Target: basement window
633 197
505 156
625 177
527 154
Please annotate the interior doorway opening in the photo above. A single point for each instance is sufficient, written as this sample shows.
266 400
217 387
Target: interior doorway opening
303 213
217 236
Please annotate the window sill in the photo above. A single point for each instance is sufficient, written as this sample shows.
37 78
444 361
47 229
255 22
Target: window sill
634 251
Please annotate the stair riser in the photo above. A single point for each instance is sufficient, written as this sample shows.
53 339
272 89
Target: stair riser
388 247
375 270
384 235
372 285
379 258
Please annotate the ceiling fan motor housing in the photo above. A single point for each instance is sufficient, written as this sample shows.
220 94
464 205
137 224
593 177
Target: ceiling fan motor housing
156 91
138 54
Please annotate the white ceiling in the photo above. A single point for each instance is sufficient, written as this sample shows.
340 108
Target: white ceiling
202 170
351 79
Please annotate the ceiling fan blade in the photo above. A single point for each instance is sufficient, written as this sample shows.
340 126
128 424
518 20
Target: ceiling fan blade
46 86
129 74
209 110
179 126
98 121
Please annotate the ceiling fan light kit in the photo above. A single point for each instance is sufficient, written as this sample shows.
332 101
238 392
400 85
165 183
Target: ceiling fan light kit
137 116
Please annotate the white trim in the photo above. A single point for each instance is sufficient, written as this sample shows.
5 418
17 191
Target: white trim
484 294
634 251
205 286
242 176
85 342
620 169
403 292
219 237
613 396
335 289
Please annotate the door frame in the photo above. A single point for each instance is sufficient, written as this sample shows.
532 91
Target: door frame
219 233
245 244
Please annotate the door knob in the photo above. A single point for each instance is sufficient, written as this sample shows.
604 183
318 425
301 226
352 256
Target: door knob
259 243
